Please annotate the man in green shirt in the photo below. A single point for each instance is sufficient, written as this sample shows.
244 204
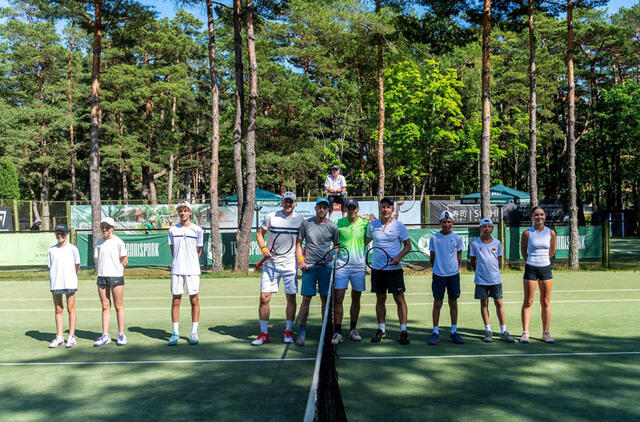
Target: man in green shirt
352 231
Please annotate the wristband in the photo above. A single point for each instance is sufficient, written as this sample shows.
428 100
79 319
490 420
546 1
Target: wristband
300 260
263 250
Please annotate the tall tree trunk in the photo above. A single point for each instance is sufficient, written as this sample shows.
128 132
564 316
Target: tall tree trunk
533 125
574 263
381 173
125 184
216 247
170 188
72 142
485 195
94 154
237 125
244 234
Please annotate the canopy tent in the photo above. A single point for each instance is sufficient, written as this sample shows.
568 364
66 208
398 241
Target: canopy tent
263 197
500 195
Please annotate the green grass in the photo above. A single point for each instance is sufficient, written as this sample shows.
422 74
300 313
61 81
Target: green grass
593 312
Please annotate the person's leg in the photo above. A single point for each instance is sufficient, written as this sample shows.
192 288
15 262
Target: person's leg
291 307
500 312
381 309
118 299
545 302
355 308
484 311
104 292
338 310
453 293
71 309
529 295
435 312
323 302
59 318
401 304
195 313
453 311
303 314
264 310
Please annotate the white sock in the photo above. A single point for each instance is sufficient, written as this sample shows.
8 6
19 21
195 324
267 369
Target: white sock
503 328
403 327
264 326
381 326
194 327
454 328
174 325
289 324
487 327
436 329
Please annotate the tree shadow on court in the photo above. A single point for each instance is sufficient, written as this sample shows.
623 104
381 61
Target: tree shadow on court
40 336
154 333
87 335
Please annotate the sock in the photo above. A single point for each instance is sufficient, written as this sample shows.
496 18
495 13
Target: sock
436 329
487 327
302 328
174 325
403 327
352 326
337 328
382 327
289 324
120 334
194 327
264 326
454 328
503 328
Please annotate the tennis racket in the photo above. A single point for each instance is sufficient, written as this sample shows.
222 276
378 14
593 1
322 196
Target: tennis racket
415 260
281 245
334 259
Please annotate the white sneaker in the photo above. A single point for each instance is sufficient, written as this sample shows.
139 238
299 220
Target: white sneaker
337 338
56 342
355 335
193 339
71 342
122 340
102 340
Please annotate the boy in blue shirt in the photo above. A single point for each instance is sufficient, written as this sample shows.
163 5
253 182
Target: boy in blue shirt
486 259
446 255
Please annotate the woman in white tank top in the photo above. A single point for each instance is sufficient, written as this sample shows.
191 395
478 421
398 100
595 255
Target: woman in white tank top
538 245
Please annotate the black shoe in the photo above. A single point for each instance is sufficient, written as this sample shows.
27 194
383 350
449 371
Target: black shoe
404 337
379 336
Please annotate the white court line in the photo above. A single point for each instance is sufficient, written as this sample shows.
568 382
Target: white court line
168 296
279 360
186 306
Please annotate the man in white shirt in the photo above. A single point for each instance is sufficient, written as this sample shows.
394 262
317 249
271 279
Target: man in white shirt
336 187
111 256
64 262
485 254
185 242
280 263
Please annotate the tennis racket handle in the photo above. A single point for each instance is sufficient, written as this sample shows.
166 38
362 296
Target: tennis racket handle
261 261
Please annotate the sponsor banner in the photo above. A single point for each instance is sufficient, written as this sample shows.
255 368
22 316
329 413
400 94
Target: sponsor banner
6 219
511 213
589 242
25 248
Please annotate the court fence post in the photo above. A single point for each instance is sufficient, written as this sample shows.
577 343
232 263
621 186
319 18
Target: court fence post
606 243
16 218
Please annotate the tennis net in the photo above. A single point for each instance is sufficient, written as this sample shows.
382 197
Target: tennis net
325 400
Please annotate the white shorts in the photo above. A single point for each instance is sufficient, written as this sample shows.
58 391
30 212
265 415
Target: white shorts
271 277
356 275
178 282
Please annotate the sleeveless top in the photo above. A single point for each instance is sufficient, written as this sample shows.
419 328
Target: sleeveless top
538 247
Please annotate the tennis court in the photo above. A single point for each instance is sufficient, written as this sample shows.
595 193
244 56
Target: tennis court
591 373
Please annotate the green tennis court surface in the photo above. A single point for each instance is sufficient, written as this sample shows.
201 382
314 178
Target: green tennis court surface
592 373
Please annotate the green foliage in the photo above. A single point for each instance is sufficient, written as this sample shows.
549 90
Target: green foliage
9 185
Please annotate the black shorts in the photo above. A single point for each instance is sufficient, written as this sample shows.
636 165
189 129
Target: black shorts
484 292
450 283
64 291
391 281
336 199
537 273
110 281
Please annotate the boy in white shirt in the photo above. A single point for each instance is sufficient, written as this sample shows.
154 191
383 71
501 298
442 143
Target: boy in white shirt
111 256
486 259
185 242
64 262
446 255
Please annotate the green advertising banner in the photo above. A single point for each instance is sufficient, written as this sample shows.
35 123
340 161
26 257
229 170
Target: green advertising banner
420 238
589 242
25 248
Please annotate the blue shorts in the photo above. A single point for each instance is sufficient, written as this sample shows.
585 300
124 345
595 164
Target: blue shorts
451 284
316 276
355 275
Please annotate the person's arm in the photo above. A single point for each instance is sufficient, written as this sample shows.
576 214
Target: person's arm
472 260
124 261
262 244
524 240
459 255
300 254
472 256
344 184
199 250
460 247
405 250
327 185
499 261
432 257
552 245
199 241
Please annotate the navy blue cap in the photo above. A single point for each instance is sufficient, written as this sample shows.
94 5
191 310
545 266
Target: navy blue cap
62 228
352 203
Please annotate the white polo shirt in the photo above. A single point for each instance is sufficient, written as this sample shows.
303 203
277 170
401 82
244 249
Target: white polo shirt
390 239
185 241
337 183
62 266
446 248
285 225
487 268
107 254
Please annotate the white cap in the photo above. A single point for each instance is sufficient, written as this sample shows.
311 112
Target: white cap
36 221
183 204
485 221
289 195
108 220
446 214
